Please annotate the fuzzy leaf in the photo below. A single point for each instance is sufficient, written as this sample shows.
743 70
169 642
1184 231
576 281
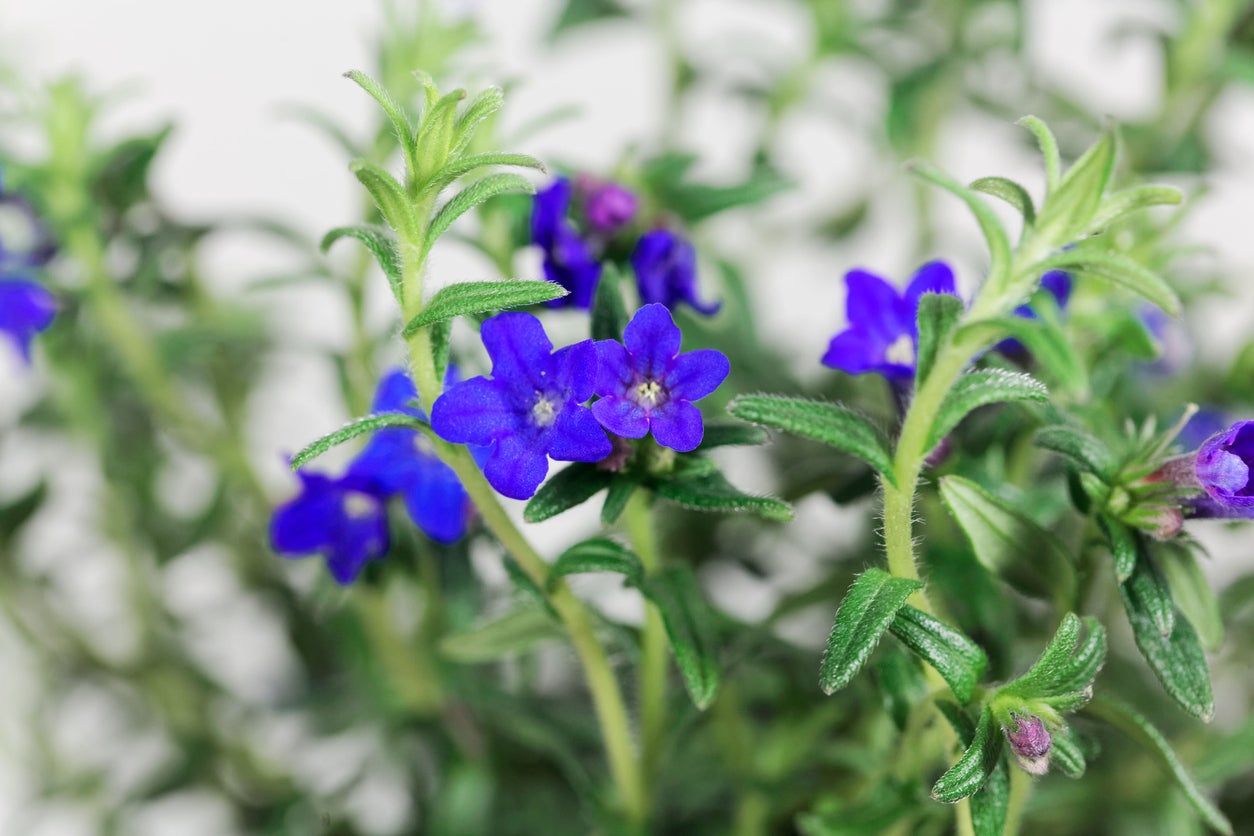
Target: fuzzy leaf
690 627
1192 593
1049 149
351 430
518 631
1123 545
389 196
1009 191
572 486
959 661
989 805
870 606
1120 270
981 388
616 499
479 298
470 197
396 115
599 554
1065 753
1067 666
976 765
731 434
713 493
1083 448
464 165
994 234
482 107
1132 723
1177 660
1147 588
938 315
381 246
1007 542
1069 210
832 424
1126 201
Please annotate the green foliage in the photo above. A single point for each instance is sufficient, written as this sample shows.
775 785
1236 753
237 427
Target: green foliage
959 661
482 299
574 485
938 316
518 631
352 430
690 629
976 766
598 554
381 246
981 388
713 493
864 616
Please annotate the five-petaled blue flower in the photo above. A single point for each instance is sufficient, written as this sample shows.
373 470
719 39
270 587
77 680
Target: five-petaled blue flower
666 271
398 461
1224 465
883 333
343 519
529 409
568 259
646 385
26 307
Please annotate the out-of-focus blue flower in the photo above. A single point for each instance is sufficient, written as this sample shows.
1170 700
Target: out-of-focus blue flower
26 308
398 461
568 259
607 206
666 271
1204 424
1223 465
883 333
646 385
529 409
1175 348
344 520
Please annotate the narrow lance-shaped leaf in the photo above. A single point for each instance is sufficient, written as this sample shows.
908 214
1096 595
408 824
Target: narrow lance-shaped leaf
981 388
989 805
1065 753
831 424
482 107
464 165
599 554
351 430
1080 446
1118 269
1131 722
609 314
975 766
730 434
1049 149
470 197
1127 201
396 115
1123 545
478 298
380 245
620 491
994 235
1147 588
689 627
1049 346
572 486
1009 191
938 315
1192 592
959 661
870 606
518 631
389 196
713 493
1069 210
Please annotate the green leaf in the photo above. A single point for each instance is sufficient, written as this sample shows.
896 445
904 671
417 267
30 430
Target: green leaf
1009 191
609 314
470 197
870 606
1080 446
1118 269
976 765
1123 545
900 677
518 631
482 107
1177 660
938 315
577 12
1126 201
1065 753
713 493
396 115
994 235
351 430
690 627
989 805
1067 666
1132 723
695 202
572 486
1069 210
1192 592
1047 343
831 424
981 388
731 434
1147 589
434 144
621 490
381 246
479 298
389 196
599 554
464 165
959 661
16 514
441 332
1049 149
1007 542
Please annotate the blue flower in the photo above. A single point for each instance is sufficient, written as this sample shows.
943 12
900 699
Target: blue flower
666 271
883 333
344 520
398 460
26 308
529 409
1224 465
568 259
646 385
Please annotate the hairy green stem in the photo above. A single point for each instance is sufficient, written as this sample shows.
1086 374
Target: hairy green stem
653 652
1020 789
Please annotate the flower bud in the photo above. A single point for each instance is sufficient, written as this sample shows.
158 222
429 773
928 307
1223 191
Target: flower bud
1030 742
608 207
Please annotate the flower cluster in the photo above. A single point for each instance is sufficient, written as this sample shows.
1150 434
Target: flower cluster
575 224
345 518
531 408
26 306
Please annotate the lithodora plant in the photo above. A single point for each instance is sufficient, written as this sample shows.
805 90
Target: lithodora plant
620 406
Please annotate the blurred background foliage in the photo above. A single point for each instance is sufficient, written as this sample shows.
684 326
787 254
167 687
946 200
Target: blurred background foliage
395 711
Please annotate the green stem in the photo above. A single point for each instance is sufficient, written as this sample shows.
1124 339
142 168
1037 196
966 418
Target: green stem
1020 789
653 650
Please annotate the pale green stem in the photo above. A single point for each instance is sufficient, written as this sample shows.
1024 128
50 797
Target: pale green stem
653 651
1020 789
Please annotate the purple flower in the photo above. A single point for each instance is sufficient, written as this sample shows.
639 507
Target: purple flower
1057 283
1223 464
883 334
344 520
607 206
666 271
529 409
1205 423
1030 742
26 308
568 259
646 385
398 460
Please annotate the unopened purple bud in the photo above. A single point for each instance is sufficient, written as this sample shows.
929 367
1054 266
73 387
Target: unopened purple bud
608 207
1030 741
619 456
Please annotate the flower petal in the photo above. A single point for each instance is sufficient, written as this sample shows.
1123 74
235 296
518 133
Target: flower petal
697 374
436 501
386 464
518 346
362 537
855 351
26 308
548 210
396 393
476 411
678 425
514 468
577 437
307 523
621 417
652 338
614 369
575 370
933 277
873 306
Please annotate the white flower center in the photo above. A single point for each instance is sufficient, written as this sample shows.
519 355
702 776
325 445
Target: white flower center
649 393
543 413
901 352
357 505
